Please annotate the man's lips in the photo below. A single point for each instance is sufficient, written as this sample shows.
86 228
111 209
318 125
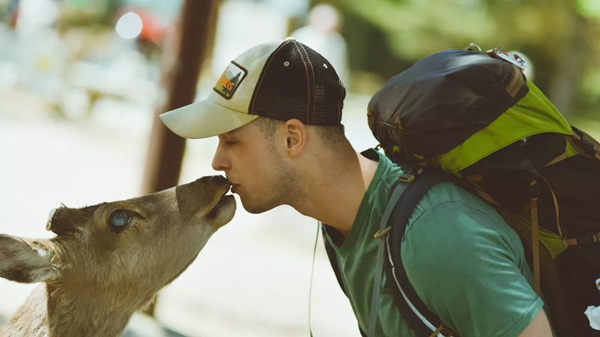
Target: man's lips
234 186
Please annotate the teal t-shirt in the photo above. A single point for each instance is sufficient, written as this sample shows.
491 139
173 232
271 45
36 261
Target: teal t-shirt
465 263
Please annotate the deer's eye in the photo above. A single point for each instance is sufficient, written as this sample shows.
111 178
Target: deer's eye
119 220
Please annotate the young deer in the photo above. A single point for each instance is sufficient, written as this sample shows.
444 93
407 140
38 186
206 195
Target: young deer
107 261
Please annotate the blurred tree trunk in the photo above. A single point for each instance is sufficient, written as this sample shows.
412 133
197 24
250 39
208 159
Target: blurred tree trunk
181 70
565 82
180 76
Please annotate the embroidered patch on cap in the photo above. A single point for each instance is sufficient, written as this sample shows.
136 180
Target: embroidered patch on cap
230 80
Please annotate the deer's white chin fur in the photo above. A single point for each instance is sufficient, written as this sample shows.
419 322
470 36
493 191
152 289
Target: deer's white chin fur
223 211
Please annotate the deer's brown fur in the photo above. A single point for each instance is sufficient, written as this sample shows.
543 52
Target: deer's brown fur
95 276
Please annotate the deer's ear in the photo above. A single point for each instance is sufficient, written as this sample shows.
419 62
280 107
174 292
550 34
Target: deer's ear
25 261
63 220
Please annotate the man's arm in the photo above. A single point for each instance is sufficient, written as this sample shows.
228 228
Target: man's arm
539 326
483 288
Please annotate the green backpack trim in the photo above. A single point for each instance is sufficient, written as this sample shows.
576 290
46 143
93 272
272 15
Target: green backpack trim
552 241
533 114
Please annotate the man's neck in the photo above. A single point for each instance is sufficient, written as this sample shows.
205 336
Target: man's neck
334 195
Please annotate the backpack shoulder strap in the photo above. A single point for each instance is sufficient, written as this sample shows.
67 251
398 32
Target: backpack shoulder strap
414 311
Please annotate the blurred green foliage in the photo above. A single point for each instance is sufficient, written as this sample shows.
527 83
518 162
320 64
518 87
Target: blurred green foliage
558 36
89 14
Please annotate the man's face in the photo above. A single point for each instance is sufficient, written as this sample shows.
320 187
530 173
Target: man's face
256 167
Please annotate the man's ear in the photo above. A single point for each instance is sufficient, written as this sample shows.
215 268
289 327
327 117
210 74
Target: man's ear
296 137
25 261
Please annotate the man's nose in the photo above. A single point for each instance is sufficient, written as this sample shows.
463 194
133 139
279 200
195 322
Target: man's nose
219 163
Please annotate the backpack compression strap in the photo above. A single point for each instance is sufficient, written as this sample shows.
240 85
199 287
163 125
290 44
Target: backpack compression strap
419 318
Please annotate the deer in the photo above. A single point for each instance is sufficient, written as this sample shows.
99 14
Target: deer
107 261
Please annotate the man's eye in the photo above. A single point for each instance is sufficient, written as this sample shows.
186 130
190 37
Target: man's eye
230 142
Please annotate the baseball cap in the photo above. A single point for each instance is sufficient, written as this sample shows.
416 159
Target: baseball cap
280 80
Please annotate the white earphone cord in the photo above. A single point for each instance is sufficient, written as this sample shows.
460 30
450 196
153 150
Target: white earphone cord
312 274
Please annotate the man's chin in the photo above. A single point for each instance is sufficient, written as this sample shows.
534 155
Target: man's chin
253 208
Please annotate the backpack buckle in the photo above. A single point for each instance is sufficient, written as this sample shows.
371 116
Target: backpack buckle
508 56
443 331
409 173
582 240
406 177
382 232
473 47
534 190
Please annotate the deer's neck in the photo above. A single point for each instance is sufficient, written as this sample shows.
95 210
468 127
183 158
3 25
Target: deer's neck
51 311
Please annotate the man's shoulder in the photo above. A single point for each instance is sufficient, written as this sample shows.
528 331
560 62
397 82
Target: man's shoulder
451 193
456 213
463 241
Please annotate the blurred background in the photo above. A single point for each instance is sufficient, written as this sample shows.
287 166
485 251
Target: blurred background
82 81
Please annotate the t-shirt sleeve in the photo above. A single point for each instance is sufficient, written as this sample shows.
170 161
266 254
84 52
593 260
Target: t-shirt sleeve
468 267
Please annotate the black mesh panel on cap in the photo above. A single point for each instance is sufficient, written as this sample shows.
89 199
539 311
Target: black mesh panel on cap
297 82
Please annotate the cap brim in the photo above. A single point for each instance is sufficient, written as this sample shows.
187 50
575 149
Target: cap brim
204 119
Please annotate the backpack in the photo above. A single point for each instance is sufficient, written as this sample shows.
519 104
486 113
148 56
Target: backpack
475 119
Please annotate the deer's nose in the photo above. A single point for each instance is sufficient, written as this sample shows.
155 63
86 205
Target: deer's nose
216 179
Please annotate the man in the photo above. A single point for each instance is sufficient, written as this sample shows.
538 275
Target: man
277 110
